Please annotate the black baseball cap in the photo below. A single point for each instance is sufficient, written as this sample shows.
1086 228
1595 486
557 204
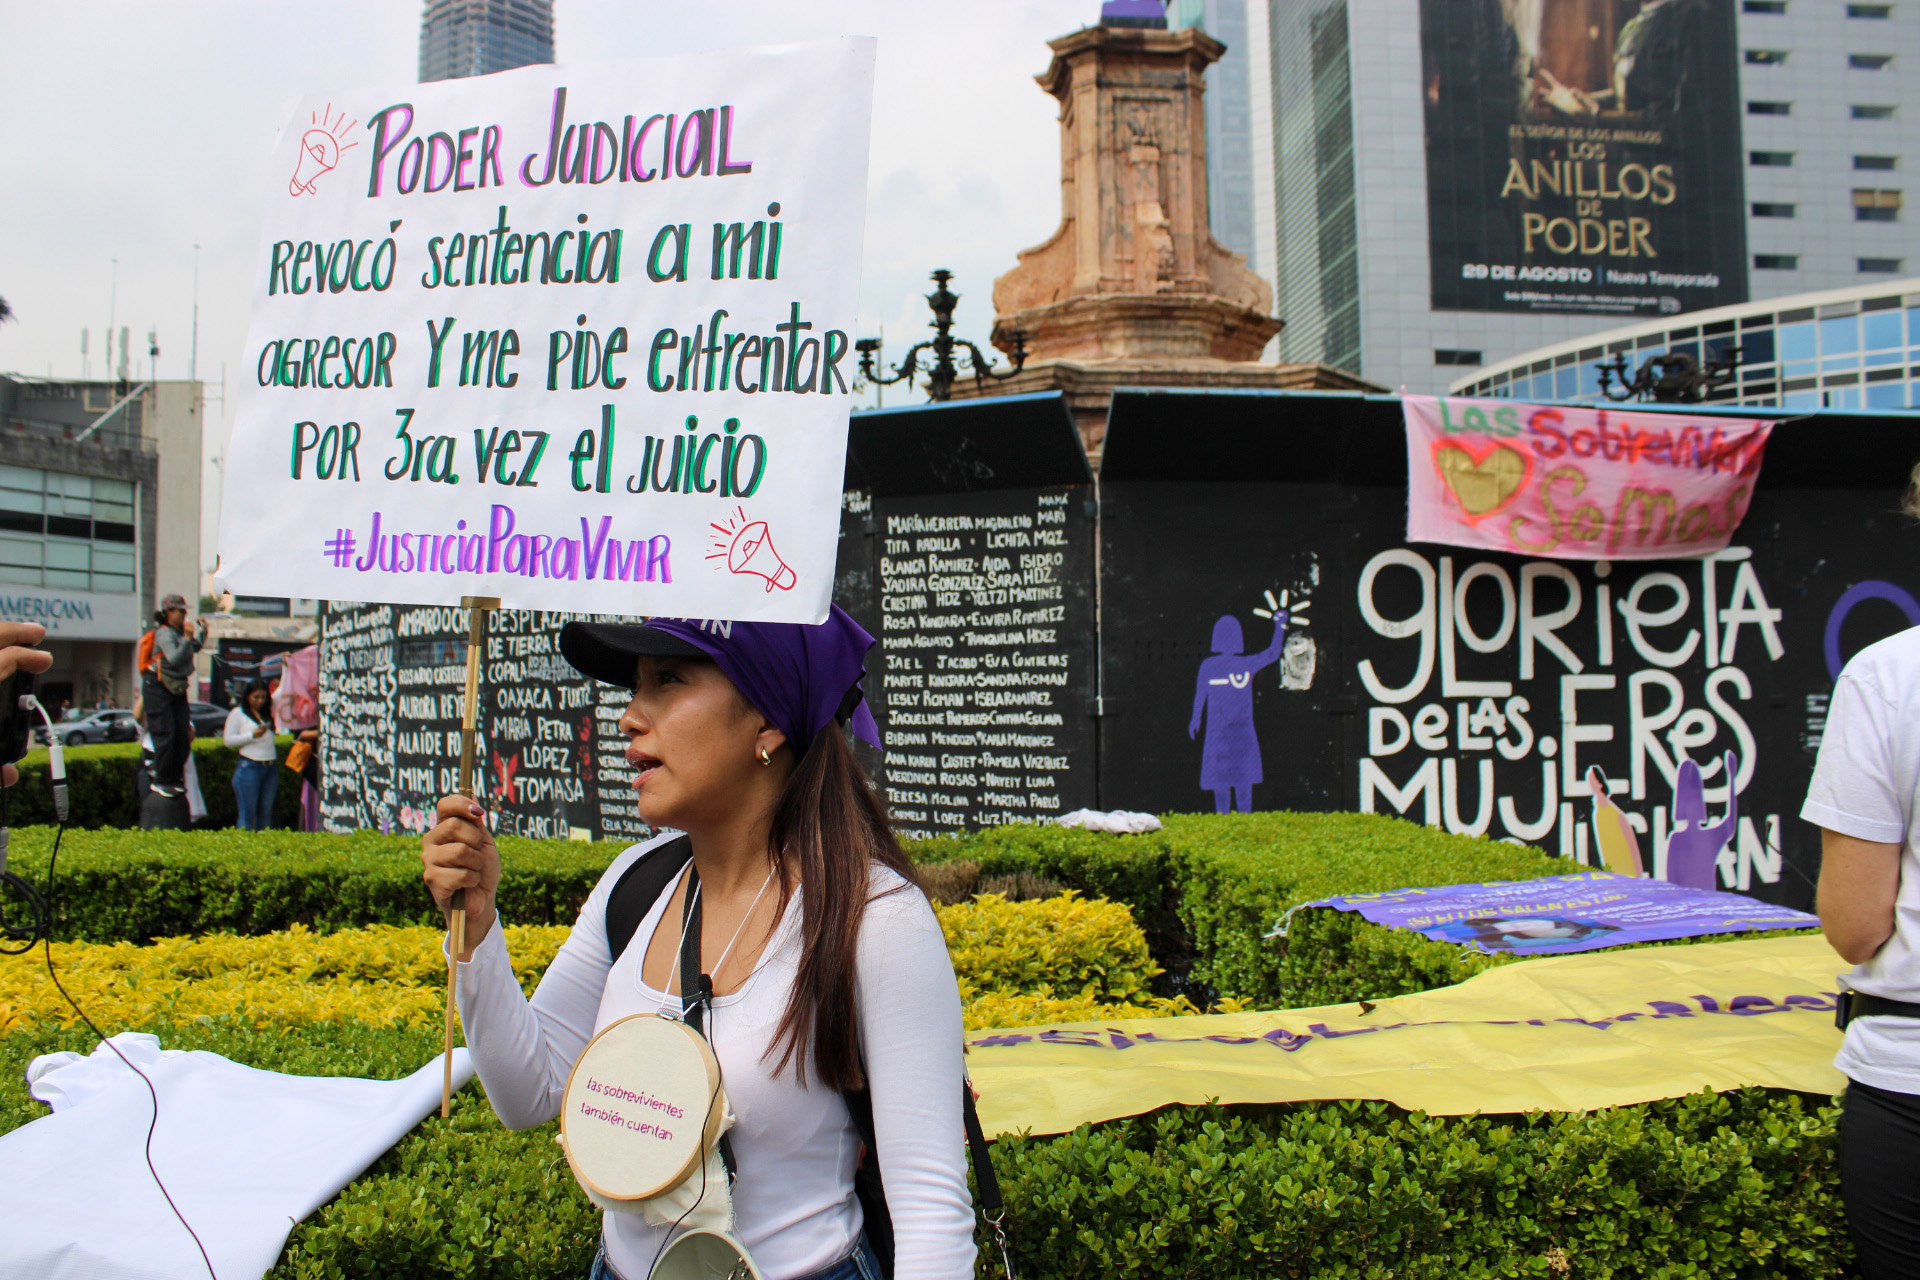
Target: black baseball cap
802 676
610 651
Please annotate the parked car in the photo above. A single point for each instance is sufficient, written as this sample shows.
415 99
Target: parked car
100 726
208 720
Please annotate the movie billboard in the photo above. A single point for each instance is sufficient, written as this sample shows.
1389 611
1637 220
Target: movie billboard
1583 155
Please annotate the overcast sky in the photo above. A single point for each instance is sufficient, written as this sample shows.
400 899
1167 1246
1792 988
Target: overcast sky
136 130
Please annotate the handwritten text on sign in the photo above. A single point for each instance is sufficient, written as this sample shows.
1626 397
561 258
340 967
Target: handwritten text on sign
619 1119
577 337
1574 483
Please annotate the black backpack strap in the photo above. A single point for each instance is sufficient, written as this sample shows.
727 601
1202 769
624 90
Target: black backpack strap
639 887
696 991
992 1208
696 988
868 1186
866 1180
983 1173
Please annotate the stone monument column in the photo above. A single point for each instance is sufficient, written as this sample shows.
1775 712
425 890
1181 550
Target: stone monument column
1133 269
1133 290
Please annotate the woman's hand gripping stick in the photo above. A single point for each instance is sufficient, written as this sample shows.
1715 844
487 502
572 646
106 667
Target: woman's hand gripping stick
477 608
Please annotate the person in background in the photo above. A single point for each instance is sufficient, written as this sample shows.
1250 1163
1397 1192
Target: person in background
164 676
142 772
1863 797
189 773
296 710
309 779
256 776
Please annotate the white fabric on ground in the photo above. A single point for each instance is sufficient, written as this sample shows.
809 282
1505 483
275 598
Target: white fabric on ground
1120 821
196 801
245 1154
49 1080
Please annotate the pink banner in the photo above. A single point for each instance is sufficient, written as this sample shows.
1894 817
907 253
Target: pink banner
1575 483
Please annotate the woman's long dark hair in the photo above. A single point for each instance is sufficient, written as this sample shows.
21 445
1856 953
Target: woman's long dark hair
246 700
828 832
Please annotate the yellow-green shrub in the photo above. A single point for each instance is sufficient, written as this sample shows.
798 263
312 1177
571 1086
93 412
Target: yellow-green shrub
984 1009
1020 963
383 976
1206 890
1069 944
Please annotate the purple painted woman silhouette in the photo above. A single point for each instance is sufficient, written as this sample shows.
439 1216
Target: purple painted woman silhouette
1693 850
1223 697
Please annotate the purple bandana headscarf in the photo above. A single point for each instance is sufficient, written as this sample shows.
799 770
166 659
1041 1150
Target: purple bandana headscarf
801 677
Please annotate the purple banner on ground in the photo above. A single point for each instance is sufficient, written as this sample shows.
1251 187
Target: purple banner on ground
1566 913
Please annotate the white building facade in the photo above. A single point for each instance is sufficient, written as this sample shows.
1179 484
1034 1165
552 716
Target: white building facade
1854 348
99 519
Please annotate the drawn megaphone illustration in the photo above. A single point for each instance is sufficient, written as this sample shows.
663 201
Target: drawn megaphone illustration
318 154
751 551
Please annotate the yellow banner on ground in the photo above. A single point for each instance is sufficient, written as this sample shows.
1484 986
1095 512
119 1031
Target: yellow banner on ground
1560 1033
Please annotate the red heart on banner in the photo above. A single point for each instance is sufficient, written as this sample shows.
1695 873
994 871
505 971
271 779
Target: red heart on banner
1485 482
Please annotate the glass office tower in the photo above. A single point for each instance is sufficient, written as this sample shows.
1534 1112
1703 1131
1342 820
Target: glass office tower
476 37
1455 182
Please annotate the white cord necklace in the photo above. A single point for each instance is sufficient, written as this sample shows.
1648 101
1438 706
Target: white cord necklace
674 974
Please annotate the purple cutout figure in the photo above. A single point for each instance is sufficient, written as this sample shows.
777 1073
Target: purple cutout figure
1693 849
1223 697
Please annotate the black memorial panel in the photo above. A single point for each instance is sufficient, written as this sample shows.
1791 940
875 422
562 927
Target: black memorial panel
549 759
358 685
1514 697
539 739
986 691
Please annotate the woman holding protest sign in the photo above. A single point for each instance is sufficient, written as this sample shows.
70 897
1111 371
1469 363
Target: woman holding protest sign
1864 796
823 983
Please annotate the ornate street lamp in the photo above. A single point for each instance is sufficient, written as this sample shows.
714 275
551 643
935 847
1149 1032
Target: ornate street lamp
942 371
1674 377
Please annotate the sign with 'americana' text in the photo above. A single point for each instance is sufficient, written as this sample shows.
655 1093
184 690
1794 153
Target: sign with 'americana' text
576 337
1572 483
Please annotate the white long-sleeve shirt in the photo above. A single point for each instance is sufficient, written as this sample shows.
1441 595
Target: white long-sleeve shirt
796 1148
239 733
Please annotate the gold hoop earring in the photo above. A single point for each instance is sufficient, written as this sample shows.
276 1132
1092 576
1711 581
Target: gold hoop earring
765 759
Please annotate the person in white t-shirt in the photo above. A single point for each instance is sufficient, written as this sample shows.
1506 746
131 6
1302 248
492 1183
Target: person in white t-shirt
1865 797
829 973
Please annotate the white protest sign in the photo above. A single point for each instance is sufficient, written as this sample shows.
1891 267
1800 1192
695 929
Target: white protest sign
576 337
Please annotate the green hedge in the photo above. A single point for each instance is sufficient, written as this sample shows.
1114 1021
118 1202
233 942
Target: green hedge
1208 888
136 885
1737 1186
100 786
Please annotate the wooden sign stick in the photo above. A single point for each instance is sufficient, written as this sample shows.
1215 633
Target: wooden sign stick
477 608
